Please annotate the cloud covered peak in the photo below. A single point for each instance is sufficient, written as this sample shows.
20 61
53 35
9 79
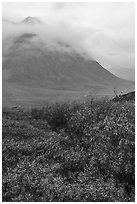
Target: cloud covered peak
104 31
31 20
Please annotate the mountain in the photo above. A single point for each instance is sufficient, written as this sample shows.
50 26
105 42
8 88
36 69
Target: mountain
31 20
27 21
8 21
34 71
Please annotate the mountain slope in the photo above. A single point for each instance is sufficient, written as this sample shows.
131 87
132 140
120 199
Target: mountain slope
30 64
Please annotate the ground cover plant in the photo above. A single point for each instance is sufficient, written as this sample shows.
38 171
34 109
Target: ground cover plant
70 152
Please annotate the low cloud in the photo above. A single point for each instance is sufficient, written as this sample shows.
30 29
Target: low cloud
105 31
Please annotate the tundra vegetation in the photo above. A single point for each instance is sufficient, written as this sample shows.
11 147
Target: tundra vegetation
70 152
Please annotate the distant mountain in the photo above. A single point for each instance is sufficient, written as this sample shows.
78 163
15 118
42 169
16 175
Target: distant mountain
31 20
30 68
8 21
54 69
28 20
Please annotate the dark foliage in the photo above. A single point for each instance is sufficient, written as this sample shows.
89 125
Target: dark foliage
125 97
79 152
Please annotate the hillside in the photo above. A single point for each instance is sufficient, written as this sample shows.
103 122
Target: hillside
31 63
125 97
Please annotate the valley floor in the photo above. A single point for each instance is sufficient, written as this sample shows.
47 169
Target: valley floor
26 96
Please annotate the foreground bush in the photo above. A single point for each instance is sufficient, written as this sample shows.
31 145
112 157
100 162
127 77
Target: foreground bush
70 152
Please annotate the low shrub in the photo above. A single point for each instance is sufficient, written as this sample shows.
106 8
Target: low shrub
78 152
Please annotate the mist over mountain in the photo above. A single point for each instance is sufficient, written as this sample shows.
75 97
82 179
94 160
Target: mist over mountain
31 20
36 60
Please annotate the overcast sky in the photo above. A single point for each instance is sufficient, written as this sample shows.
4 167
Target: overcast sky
106 31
